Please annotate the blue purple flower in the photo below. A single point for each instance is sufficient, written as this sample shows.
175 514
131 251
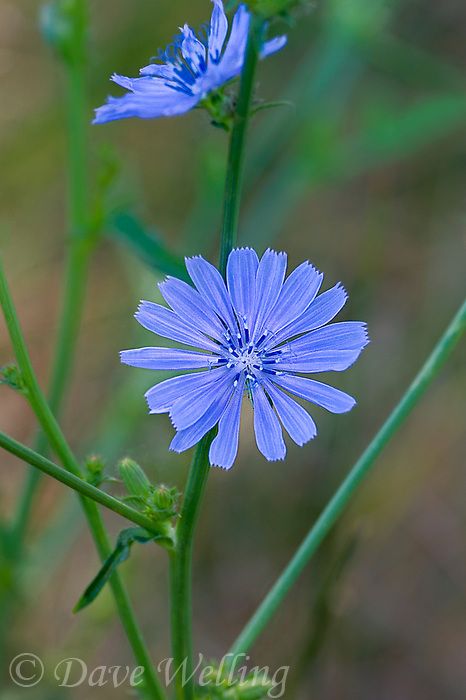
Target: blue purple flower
256 334
190 68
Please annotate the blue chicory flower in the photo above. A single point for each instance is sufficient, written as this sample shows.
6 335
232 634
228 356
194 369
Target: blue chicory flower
191 68
258 333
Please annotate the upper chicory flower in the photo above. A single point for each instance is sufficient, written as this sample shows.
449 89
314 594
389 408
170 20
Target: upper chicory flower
257 334
191 68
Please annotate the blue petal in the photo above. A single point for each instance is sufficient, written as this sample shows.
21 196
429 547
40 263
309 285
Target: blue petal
298 291
192 406
193 51
161 397
185 439
328 397
166 103
218 31
232 60
167 358
224 448
168 324
272 46
348 335
269 436
269 282
241 278
296 420
322 310
211 287
189 305
320 361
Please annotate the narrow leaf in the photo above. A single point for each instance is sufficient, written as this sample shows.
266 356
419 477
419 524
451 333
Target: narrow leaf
125 540
147 245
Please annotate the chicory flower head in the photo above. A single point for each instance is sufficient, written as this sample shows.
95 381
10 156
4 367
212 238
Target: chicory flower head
257 334
190 69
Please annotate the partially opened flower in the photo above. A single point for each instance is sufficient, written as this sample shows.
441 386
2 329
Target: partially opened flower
189 70
256 334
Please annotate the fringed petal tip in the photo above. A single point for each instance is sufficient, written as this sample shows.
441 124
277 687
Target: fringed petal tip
220 466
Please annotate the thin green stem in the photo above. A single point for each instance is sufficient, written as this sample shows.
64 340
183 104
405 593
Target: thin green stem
70 320
78 254
181 558
84 488
58 442
180 570
235 167
343 495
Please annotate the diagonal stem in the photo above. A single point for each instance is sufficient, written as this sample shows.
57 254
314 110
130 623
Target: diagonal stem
358 473
77 483
58 442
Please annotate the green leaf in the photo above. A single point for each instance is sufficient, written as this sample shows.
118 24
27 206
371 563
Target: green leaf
125 540
147 245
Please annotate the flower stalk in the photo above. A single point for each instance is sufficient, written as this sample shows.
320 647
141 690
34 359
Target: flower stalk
181 558
355 477
71 49
235 166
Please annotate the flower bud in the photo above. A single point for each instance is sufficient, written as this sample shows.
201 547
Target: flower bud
163 502
12 377
134 478
94 467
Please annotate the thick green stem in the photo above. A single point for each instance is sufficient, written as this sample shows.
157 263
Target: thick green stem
235 167
59 444
84 488
340 500
180 570
181 558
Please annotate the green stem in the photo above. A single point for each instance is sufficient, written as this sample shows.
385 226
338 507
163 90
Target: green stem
84 488
181 558
77 256
340 500
180 570
64 355
235 167
58 442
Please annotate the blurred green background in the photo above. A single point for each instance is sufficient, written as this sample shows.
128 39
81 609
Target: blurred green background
364 175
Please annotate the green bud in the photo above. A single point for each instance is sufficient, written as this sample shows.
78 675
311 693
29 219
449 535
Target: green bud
134 478
12 377
163 502
95 467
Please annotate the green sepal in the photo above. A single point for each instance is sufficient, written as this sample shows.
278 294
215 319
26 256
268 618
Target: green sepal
122 550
